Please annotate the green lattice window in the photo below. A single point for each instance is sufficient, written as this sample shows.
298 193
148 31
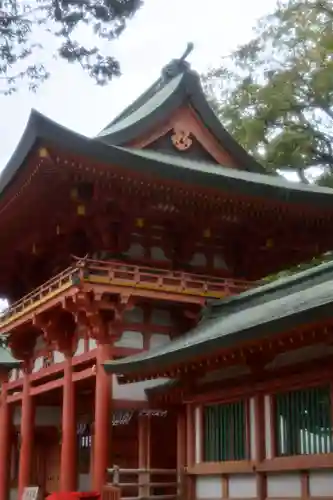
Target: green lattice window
303 422
225 432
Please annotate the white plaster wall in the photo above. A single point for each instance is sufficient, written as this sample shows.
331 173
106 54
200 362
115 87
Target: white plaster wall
242 486
135 391
208 487
58 357
158 340
130 339
252 418
13 495
157 253
44 416
40 344
12 375
161 317
284 485
38 364
135 251
84 482
134 315
219 262
92 344
268 437
198 259
198 431
79 348
321 483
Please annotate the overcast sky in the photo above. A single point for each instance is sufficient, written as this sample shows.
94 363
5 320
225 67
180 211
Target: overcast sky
158 33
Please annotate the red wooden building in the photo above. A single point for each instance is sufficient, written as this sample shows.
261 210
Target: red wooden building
110 248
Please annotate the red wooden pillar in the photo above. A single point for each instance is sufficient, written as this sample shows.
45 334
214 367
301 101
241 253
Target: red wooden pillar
102 426
5 447
68 474
190 451
26 437
190 436
144 429
144 441
259 443
181 439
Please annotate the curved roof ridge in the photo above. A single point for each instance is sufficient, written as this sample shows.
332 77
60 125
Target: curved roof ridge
161 98
169 71
17 158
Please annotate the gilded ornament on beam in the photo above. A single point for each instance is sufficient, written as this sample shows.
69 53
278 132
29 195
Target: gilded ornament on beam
207 233
74 193
81 210
181 139
140 222
269 243
43 153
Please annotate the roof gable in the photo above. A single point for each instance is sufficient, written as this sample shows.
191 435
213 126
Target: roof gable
178 88
190 147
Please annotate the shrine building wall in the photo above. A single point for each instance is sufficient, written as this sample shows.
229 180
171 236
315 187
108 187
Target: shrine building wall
271 440
135 335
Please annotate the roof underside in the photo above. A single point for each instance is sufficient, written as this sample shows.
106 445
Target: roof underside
43 131
262 312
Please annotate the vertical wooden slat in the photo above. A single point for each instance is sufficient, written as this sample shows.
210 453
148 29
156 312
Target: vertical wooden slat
260 452
307 421
274 415
225 432
181 452
248 451
225 486
189 436
201 428
305 486
330 419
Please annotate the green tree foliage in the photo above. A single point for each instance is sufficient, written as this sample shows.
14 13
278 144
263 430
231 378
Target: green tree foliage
24 23
275 93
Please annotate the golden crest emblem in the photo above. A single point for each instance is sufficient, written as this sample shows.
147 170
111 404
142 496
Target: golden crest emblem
181 139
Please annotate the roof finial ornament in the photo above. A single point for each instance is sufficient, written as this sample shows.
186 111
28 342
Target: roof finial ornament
177 66
188 50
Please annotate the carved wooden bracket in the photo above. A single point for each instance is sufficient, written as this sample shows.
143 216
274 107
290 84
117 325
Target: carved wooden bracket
58 333
90 312
23 350
125 303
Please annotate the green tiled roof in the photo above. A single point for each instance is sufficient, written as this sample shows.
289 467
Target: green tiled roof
7 361
260 313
